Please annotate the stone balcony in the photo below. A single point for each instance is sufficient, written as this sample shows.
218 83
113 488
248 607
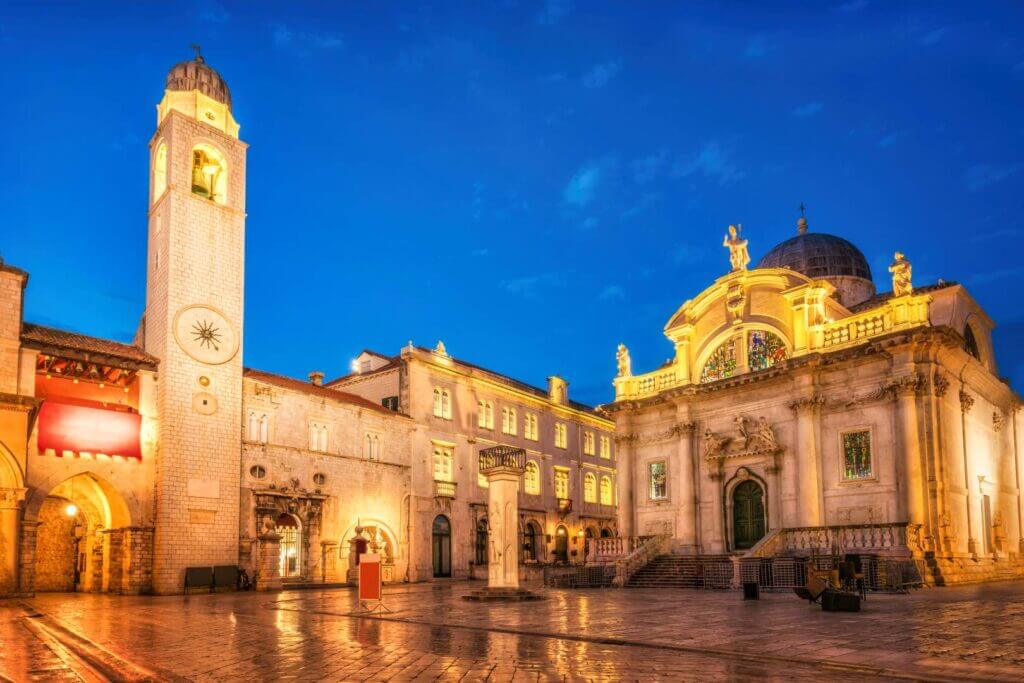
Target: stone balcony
444 489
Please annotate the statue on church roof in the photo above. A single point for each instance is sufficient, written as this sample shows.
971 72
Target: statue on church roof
440 349
625 365
901 271
739 257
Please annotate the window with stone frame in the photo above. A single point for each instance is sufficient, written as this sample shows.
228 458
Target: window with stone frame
561 435
589 488
657 480
857 459
531 479
607 491
561 483
588 443
442 403
606 447
484 414
444 460
530 427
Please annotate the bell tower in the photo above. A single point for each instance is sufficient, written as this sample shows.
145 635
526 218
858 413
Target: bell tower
193 321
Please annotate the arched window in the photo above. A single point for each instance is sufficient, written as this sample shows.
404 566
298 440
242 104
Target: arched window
531 479
485 414
209 173
264 429
159 171
481 541
588 443
508 421
764 349
252 430
606 491
368 447
971 342
531 544
589 488
721 363
438 407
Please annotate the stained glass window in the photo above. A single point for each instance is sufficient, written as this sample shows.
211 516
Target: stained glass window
857 455
721 364
658 483
764 350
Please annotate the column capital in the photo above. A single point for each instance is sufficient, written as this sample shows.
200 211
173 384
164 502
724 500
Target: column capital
907 385
11 499
939 384
807 404
966 401
686 428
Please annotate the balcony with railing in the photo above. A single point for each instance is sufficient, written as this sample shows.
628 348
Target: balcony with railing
502 456
444 489
598 510
564 505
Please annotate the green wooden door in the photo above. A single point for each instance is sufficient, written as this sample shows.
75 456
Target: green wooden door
747 514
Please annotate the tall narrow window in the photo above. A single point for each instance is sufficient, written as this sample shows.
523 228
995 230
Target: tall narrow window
561 435
530 426
438 409
561 483
606 491
160 171
442 403
531 479
252 431
485 414
606 447
588 443
971 342
589 488
857 455
764 349
721 363
505 428
657 480
264 429
443 463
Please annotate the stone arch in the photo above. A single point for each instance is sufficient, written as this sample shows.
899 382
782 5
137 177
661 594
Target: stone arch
726 331
11 476
742 476
388 534
115 510
159 180
209 171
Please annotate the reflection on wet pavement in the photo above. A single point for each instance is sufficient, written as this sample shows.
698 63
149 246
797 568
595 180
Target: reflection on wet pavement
597 635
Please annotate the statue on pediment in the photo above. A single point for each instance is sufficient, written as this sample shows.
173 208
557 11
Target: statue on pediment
901 271
739 257
622 358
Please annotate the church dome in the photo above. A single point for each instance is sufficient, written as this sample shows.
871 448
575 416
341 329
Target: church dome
818 255
195 74
822 256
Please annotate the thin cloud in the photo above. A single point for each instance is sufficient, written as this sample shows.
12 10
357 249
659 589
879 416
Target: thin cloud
889 139
600 74
648 168
645 201
285 37
612 293
933 37
997 234
553 11
852 6
982 175
714 163
590 223
583 185
809 109
480 252
530 285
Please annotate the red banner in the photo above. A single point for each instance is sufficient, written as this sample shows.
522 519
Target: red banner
369 577
82 429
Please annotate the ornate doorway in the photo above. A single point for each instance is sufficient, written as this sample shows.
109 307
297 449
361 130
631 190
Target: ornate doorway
561 544
747 514
442 542
290 545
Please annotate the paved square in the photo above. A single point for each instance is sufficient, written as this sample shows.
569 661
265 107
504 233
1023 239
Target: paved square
950 633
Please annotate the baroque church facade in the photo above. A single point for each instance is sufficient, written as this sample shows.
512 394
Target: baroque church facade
802 412
122 465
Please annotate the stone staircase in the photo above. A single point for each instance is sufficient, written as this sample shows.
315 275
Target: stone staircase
684 571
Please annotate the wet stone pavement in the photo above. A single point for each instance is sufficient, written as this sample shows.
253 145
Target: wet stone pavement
432 634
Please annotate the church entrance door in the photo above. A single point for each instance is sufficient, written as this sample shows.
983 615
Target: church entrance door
747 514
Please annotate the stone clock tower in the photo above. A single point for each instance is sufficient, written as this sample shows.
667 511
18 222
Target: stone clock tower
193 322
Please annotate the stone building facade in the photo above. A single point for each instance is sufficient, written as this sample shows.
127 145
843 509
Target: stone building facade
568 494
121 465
804 412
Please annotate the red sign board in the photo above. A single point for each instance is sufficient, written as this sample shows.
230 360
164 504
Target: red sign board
369 578
82 429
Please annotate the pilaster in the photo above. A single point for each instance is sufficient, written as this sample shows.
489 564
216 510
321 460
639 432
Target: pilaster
808 486
685 493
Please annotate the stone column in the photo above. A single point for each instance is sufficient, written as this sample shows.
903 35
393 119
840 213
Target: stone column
686 494
115 564
808 494
269 576
717 477
137 571
27 557
95 565
10 508
912 505
966 403
503 520
624 455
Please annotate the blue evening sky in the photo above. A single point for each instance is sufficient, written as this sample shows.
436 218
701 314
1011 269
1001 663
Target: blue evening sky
530 181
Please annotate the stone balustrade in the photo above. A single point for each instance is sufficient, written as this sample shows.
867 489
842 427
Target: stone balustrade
890 539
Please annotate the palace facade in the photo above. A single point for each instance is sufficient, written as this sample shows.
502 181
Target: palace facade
802 412
121 465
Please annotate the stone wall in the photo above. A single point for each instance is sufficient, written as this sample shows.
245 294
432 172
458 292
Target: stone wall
55 548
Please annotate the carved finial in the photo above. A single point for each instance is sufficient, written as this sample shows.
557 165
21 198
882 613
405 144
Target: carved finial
739 257
901 273
199 53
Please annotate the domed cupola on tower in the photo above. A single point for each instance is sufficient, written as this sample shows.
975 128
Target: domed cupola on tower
826 257
195 89
196 74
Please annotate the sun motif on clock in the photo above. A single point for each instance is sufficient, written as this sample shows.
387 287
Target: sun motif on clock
205 334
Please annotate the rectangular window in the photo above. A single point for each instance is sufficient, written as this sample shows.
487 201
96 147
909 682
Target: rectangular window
657 480
444 458
561 435
561 483
588 443
530 427
390 402
857 455
606 447
442 403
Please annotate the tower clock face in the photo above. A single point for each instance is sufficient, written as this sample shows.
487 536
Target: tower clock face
205 334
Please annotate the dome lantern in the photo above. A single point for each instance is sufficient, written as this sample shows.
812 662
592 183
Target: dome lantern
196 74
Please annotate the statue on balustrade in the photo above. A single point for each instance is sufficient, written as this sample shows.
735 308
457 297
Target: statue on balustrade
625 365
901 272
